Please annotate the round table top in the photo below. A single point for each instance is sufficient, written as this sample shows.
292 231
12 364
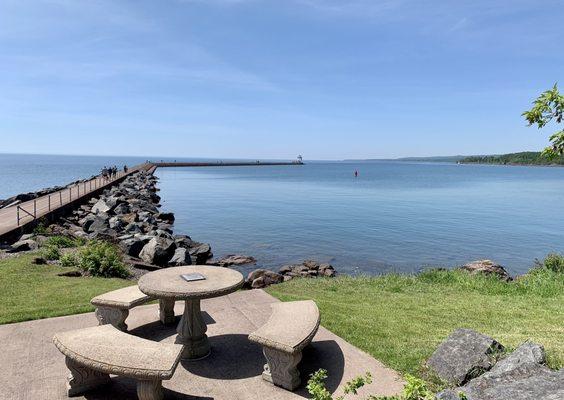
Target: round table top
168 283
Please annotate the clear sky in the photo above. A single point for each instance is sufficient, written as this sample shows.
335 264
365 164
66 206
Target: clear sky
327 79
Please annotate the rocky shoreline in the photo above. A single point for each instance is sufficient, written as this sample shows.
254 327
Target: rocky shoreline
129 215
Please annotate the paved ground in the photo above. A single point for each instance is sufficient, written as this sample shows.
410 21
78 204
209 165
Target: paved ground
33 369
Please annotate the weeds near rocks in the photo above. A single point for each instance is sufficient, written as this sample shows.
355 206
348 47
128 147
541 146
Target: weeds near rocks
51 253
414 389
553 262
100 258
69 260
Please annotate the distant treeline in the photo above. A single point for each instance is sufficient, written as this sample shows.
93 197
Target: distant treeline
523 158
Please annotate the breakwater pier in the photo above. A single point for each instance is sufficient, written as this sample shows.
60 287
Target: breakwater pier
20 217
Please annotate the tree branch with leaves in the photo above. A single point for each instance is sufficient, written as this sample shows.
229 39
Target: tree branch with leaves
549 106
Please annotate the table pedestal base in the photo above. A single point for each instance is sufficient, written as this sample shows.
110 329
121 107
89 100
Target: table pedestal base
192 332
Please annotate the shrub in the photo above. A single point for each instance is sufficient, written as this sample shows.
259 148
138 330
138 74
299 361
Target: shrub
63 242
554 262
102 259
69 260
50 253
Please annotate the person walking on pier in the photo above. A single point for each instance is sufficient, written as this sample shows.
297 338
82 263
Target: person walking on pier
125 169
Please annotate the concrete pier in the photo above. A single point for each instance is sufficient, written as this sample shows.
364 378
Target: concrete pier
21 218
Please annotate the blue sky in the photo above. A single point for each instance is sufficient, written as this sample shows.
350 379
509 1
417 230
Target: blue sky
327 79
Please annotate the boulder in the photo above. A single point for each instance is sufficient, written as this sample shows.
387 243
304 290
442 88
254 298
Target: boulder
39 261
464 355
528 352
487 267
285 269
98 224
122 209
100 207
133 227
235 259
181 257
158 251
116 223
327 270
166 217
525 382
24 245
200 252
260 278
133 246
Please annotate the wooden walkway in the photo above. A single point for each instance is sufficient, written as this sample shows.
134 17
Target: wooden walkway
17 216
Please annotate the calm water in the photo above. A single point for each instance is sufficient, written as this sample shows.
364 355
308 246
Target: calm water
400 216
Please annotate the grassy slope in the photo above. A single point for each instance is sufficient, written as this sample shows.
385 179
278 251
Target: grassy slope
29 291
401 319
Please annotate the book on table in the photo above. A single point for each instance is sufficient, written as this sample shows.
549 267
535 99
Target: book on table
193 277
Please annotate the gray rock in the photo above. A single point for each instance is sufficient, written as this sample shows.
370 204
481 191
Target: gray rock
158 251
98 224
24 245
260 278
115 223
487 267
327 270
448 395
133 246
167 217
464 355
121 209
285 269
181 257
235 259
528 352
27 236
100 207
133 227
525 382
200 252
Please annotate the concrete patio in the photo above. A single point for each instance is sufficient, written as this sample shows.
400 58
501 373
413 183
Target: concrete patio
33 369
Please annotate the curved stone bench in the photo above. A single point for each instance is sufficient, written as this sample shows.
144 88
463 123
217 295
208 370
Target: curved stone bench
289 330
94 353
113 307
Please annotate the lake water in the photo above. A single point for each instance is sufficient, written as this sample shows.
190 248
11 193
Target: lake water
394 216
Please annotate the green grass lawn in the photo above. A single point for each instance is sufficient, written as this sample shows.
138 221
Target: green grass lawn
29 291
400 319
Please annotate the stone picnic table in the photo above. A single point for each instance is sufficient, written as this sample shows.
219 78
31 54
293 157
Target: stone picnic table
169 285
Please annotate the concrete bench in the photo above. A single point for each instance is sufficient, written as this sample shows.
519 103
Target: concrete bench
94 353
289 330
113 307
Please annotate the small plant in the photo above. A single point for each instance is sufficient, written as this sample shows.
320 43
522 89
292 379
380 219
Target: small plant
69 260
41 228
50 253
102 259
63 242
414 389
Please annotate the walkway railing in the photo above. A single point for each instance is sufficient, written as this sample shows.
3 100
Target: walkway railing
21 214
